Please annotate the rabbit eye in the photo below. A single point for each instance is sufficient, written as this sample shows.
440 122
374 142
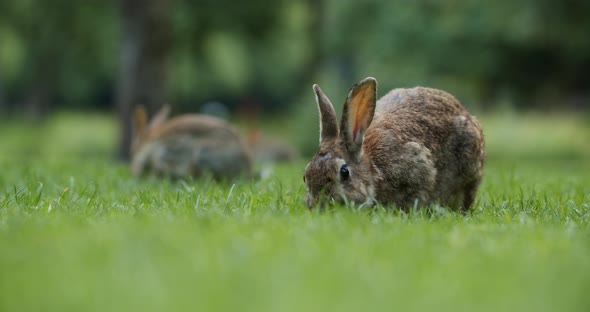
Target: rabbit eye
303 178
344 173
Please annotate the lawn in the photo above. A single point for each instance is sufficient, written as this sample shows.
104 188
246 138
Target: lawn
77 233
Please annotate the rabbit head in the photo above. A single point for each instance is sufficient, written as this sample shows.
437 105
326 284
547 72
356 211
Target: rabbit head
339 171
141 128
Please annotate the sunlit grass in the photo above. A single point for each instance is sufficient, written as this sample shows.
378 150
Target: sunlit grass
78 233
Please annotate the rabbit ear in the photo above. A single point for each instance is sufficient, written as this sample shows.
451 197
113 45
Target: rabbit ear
139 120
160 117
328 120
359 109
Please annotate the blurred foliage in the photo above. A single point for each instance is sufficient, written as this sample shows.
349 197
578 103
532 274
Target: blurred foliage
477 50
71 46
262 53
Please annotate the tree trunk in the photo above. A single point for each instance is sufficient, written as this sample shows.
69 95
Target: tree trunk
3 108
143 56
41 92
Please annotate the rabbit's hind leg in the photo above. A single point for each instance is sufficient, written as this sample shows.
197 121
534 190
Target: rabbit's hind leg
469 194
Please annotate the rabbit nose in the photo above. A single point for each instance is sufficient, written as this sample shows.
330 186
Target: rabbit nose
319 202
325 201
369 203
313 201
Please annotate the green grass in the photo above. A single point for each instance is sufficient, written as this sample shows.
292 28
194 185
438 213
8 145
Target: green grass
77 233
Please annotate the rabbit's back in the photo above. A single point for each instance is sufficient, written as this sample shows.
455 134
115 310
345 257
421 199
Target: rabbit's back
191 145
425 145
198 126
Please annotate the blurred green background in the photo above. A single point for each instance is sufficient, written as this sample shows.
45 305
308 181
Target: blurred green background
260 57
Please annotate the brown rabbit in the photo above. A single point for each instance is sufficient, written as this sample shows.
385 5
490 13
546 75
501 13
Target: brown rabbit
187 145
412 147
